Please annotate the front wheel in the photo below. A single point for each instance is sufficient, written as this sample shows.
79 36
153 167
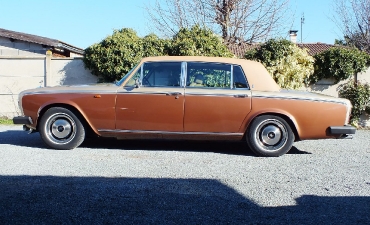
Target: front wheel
270 135
61 129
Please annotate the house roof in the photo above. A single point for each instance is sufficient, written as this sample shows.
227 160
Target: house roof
39 40
313 48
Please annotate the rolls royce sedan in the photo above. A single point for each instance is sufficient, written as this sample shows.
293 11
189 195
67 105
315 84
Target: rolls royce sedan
186 97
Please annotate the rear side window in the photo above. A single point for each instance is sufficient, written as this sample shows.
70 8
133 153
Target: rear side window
239 78
211 75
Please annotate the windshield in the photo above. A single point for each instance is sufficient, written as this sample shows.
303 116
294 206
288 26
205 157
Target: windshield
120 82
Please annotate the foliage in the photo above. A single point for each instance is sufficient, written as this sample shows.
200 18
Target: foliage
359 95
339 63
198 41
5 121
115 55
154 46
289 65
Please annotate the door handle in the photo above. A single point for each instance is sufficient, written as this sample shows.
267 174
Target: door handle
174 93
241 96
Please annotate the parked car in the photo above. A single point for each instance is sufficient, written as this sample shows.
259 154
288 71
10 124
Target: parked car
198 98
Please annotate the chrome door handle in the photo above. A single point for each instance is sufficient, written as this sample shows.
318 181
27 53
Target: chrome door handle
241 96
174 93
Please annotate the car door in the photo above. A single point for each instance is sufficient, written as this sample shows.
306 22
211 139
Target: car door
152 100
217 98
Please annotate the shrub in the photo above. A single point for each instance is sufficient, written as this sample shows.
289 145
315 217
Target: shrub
339 63
359 95
289 65
198 41
114 56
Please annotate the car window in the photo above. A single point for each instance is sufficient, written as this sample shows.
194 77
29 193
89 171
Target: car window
211 75
239 78
160 74
134 79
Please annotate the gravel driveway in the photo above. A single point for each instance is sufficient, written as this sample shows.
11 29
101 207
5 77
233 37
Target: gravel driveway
181 182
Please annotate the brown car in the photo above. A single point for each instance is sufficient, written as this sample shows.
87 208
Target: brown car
198 98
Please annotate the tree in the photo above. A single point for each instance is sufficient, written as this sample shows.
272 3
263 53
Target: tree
353 18
235 20
289 65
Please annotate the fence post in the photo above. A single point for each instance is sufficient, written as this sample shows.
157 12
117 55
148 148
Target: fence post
47 68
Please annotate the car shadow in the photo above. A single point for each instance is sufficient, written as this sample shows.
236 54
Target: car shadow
124 200
21 138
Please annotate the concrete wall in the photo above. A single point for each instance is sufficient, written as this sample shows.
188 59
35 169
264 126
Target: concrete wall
20 48
327 87
18 73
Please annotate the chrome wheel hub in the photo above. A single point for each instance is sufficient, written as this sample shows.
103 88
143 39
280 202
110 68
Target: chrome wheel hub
271 135
60 128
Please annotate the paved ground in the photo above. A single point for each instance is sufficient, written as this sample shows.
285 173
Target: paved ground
178 182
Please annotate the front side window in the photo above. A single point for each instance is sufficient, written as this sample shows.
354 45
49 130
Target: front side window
157 74
161 74
212 75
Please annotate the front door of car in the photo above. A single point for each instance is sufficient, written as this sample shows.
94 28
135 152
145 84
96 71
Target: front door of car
217 98
152 100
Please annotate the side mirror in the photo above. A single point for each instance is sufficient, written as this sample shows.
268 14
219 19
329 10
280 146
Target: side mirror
137 83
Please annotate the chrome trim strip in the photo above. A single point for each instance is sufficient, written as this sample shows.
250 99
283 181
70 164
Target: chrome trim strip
297 98
169 132
208 94
153 92
70 92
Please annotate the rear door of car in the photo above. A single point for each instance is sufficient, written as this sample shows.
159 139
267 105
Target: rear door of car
152 100
217 98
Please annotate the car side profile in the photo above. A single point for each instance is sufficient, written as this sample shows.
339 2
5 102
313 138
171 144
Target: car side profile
186 97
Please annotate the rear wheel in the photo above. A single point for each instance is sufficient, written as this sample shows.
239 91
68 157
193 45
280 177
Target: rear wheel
61 129
270 135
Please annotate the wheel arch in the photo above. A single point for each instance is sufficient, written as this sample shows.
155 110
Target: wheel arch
289 119
89 128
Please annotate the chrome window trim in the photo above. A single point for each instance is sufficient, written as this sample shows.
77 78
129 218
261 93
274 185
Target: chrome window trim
231 76
169 132
183 74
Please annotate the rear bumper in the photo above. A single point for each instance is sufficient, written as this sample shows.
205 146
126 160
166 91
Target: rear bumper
22 120
344 132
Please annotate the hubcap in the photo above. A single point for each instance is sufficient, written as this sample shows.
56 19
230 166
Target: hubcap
60 128
271 135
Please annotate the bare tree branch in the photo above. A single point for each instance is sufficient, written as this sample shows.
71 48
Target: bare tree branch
235 20
353 18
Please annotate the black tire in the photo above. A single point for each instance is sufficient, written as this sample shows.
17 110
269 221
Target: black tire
61 129
270 136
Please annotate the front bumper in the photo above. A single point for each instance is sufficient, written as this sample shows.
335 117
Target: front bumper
22 120
342 131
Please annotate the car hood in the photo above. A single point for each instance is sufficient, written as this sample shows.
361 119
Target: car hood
73 88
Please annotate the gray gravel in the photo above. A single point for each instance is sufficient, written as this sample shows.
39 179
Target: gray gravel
177 182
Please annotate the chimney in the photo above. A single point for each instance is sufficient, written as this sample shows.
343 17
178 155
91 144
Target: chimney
293 36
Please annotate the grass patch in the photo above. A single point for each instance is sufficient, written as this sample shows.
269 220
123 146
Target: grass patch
6 121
